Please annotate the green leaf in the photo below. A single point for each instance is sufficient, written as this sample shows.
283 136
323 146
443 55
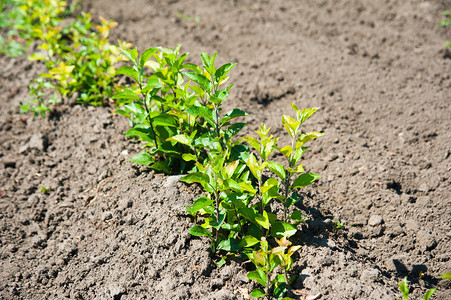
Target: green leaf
131 54
223 70
141 131
304 180
249 214
258 293
206 113
246 186
277 169
129 71
161 166
298 169
196 177
142 159
305 137
233 130
199 204
208 142
253 142
258 275
189 157
306 113
235 113
231 245
297 155
152 82
182 139
429 294
37 56
296 216
127 94
248 241
263 220
292 200
286 151
232 185
217 224
280 289
240 152
404 288
269 184
192 67
254 167
164 120
198 230
146 55
291 125
206 60
201 80
280 229
446 276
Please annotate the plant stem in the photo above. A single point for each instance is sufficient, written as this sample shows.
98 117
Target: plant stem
287 185
217 212
148 113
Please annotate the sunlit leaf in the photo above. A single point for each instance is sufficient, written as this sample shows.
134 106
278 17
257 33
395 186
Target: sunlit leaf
129 71
201 80
277 169
304 180
304 138
280 229
198 230
142 159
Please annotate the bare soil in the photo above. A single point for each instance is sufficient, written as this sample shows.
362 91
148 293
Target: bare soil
107 229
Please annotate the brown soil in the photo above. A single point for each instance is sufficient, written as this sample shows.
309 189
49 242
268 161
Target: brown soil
109 230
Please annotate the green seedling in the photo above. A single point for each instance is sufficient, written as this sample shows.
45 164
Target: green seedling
44 189
226 196
338 225
266 260
293 154
180 122
79 58
282 190
180 15
446 22
404 288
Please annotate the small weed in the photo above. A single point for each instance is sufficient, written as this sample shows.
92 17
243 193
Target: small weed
404 288
44 189
446 22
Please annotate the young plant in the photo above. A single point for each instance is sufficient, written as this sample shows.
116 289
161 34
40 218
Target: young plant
283 190
181 123
293 154
266 260
19 17
404 288
227 191
79 58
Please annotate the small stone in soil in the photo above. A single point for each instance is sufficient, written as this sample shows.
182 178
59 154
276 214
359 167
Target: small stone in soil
375 220
370 275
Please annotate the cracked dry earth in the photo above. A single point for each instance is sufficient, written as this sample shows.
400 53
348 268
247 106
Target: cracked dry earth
107 229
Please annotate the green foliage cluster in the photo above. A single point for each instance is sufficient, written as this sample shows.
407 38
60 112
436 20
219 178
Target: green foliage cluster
11 18
180 122
446 22
176 109
79 57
